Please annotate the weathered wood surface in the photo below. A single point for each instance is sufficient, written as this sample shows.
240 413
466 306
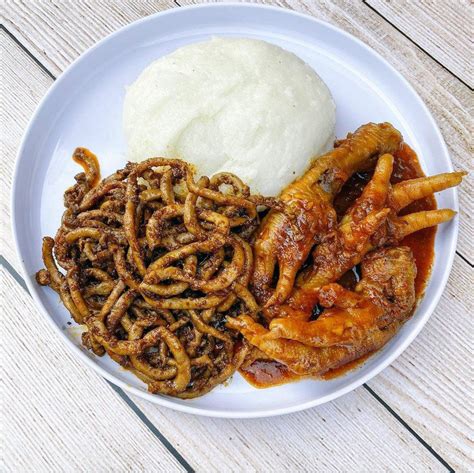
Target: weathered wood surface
23 84
427 386
57 32
442 28
58 415
349 434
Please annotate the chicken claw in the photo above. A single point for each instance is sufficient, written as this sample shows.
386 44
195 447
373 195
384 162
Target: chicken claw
406 192
286 237
303 359
356 324
411 223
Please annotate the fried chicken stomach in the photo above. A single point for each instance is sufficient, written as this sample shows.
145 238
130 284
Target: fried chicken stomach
153 263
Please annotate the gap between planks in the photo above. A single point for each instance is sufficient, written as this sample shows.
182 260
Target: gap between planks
26 50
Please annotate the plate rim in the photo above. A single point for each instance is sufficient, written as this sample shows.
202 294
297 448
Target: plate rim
168 401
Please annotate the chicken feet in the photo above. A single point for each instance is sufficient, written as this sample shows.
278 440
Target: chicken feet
286 237
355 323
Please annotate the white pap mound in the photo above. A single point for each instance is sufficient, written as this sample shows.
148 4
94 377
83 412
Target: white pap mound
237 105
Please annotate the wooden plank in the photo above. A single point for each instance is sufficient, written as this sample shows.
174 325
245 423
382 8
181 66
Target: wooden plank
442 29
59 415
353 433
57 32
446 93
23 85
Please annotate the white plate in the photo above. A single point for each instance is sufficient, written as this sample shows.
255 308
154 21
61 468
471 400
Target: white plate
84 108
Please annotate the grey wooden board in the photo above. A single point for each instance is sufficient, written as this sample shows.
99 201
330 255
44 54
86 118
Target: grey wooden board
442 28
428 386
58 415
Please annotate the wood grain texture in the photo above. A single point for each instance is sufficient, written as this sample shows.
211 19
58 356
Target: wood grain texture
442 28
23 84
428 385
57 415
56 32
352 433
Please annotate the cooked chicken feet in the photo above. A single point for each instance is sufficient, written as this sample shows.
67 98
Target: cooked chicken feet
356 323
353 323
371 222
286 237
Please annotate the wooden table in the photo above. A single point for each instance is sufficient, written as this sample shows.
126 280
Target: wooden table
416 415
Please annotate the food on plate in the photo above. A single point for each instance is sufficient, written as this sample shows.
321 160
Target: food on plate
184 282
354 323
154 262
237 105
286 237
307 230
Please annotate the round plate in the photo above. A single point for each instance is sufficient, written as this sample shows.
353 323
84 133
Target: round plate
84 108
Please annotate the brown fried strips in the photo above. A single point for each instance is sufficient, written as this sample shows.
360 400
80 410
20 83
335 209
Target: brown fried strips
154 263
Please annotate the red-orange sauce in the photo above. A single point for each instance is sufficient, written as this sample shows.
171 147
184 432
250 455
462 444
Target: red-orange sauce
264 374
336 372
421 243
